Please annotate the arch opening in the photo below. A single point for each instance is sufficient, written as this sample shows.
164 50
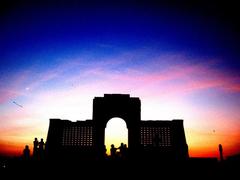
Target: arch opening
116 132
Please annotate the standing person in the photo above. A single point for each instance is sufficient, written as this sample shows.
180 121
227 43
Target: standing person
26 153
125 151
113 151
41 149
121 148
35 148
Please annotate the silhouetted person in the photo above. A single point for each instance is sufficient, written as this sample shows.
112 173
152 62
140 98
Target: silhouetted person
123 150
41 145
220 152
35 148
105 151
113 151
41 148
26 153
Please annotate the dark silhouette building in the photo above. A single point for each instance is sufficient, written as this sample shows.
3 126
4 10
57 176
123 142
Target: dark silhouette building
146 139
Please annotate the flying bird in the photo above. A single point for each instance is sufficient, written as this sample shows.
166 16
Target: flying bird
17 104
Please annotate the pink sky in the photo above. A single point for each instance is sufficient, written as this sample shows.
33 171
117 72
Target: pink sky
205 97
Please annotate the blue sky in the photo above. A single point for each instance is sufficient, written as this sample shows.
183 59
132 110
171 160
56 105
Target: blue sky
48 29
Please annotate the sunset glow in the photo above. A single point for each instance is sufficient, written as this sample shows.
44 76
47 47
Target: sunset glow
116 133
55 60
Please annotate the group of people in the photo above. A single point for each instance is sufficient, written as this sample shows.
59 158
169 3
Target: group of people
38 150
122 153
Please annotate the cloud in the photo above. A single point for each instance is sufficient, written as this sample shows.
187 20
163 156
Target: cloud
174 79
178 79
164 74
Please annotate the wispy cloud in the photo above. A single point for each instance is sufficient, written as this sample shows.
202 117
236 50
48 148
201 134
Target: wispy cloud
120 72
178 78
65 90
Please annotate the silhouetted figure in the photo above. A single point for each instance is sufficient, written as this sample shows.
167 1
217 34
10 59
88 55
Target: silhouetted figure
220 152
123 150
105 151
26 153
121 147
35 148
113 151
41 145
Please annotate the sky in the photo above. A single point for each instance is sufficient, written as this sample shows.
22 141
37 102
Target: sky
181 59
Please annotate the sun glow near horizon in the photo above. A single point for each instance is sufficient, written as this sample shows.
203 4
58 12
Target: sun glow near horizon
199 110
116 132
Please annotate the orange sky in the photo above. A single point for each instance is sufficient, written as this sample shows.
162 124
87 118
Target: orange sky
181 64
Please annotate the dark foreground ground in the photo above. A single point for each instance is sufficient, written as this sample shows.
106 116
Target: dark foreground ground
191 169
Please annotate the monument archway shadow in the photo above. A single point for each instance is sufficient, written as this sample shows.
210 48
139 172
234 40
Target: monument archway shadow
148 139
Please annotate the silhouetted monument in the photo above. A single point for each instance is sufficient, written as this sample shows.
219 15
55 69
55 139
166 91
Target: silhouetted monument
84 140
